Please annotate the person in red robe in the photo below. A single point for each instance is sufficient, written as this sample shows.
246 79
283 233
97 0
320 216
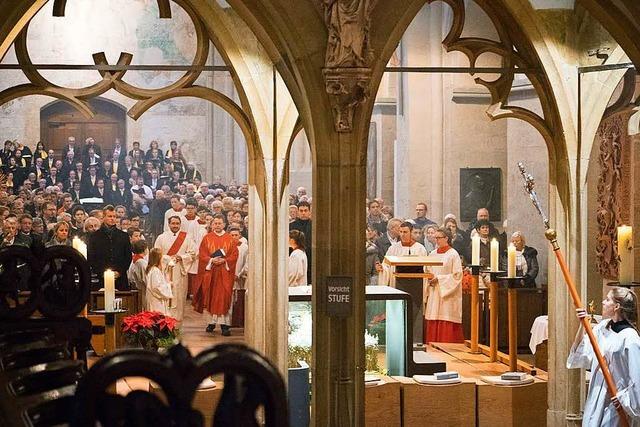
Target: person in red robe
213 287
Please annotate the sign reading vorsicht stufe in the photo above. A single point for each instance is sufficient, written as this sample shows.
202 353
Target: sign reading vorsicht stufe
339 294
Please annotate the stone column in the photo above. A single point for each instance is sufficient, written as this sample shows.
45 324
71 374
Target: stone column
339 180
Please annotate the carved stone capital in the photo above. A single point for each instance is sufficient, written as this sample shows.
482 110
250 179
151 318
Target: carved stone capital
347 88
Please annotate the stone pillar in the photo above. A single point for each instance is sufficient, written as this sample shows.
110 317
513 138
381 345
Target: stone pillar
338 343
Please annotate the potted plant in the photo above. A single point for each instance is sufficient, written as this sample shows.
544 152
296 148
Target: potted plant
150 330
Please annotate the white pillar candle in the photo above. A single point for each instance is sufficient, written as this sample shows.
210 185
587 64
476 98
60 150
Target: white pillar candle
511 261
76 243
109 289
475 250
495 248
625 268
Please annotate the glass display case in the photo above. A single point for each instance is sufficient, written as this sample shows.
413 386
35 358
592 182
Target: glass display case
387 332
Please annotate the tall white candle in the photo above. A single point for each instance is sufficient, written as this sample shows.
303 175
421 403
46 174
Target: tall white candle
83 249
475 250
495 248
76 243
109 289
625 268
511 261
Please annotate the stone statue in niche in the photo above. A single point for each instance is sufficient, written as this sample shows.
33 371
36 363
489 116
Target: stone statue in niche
480 188
347 58
348 24
610 135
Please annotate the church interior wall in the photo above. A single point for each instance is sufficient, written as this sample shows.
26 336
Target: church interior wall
208 135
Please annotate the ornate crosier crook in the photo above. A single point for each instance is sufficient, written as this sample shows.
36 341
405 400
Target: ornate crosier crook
551 235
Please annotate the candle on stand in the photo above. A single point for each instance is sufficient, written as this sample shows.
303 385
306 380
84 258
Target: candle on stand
511 261
495 248
109 289
625 268
475 250
80 246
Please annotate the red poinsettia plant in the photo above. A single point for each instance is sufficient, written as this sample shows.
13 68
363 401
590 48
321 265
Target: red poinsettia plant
150 330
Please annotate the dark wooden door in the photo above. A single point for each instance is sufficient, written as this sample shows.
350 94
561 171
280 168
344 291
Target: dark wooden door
60 121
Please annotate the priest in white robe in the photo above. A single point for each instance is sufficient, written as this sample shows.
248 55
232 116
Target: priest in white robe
405 246
179 253
619 343
443 294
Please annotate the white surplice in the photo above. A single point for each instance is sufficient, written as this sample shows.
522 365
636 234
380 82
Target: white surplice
197 232
158 292
177 271
242 266
622 352
444 300
396 249
297 268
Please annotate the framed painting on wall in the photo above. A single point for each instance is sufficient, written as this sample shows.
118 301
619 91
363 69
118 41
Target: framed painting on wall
480 188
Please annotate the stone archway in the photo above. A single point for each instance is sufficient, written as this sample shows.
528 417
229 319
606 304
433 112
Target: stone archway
58 121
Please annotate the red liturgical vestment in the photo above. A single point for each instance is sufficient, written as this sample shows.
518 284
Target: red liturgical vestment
213 289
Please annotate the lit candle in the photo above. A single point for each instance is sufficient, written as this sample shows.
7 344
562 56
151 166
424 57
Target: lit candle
511 261
79 246
495 247
109 289
625 268
475 250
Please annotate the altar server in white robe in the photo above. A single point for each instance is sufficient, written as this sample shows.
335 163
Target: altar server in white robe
297 266
620 345
242 266
443 294
403 247
158 291
179 253
197 230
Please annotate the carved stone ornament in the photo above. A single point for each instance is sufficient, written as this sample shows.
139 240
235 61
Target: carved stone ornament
348 57
347 88
610 135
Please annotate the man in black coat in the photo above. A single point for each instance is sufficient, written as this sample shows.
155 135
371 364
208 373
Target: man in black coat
110 248
303 224
389 237
528 269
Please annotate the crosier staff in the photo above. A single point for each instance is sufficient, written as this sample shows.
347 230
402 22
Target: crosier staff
551 235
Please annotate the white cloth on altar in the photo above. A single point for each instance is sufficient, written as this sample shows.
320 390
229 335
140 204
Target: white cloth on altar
444 300
539 332
178 273
622 352
396 249
297 268
158 292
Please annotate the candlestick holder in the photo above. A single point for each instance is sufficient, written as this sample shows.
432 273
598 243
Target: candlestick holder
109 327
493 313
495 276
513 284
475 307
475 269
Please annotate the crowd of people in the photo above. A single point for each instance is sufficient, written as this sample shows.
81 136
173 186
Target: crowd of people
146 215
442 293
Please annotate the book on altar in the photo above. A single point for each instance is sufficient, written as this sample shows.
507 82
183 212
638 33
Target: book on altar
217 254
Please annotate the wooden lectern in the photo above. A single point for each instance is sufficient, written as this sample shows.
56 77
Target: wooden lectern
409 274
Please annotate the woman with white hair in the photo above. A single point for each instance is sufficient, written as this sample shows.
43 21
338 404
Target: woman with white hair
526 260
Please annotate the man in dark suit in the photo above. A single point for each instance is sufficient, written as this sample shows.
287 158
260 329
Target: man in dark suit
110 248
391 236
122 196
39 169
72 148
136 150
89 183
68 164
89 144
10 236
118 150
26 231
